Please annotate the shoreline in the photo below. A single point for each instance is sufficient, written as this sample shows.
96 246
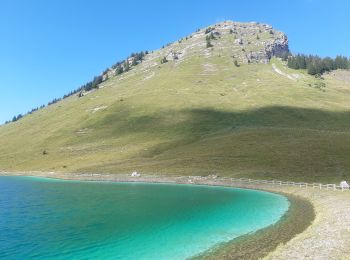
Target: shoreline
322 233
259 244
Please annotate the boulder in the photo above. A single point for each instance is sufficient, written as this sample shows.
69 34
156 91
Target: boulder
135 174
344 185
239 41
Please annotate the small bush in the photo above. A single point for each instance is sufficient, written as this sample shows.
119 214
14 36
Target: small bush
163 60
208 30
209 45
320 85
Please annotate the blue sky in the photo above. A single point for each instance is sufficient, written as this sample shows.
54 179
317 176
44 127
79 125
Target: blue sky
50 47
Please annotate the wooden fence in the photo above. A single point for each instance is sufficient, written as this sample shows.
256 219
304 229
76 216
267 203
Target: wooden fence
290 183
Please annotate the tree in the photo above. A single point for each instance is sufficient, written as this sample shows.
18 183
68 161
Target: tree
311 69
208 30
341 62
316 65
328 64
119 70
285 55
211 36
209 45
16 118
208 39
126 65
164 60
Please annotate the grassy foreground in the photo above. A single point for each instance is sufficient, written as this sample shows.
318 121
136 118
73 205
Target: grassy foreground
199 116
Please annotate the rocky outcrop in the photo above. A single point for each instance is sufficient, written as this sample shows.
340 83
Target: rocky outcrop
258 42
278 47
245 42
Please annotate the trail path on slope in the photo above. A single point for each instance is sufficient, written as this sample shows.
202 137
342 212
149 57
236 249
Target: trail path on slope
277 70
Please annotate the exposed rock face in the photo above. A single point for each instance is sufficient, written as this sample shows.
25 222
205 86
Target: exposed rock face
278 47
245 42
259 41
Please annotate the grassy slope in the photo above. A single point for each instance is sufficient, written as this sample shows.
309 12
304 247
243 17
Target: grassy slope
197 117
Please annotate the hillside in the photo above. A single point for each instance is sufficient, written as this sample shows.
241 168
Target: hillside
230 110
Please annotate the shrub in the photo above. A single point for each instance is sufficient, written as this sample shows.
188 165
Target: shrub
164 60
208 30
119 70
209 45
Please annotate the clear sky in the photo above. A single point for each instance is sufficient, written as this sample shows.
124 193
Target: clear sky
50 47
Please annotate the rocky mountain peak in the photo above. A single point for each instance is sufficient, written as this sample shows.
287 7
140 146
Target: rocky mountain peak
250 42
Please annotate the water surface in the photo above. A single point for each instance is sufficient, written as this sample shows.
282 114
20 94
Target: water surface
43 218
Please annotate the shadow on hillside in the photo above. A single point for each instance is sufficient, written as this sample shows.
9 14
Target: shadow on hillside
192 124
282 139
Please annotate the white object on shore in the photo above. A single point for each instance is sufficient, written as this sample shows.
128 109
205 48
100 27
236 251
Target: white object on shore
344 185
135 174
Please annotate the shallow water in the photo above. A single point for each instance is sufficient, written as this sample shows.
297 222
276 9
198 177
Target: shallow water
43 218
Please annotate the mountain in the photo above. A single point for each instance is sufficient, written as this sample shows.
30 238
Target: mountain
215 102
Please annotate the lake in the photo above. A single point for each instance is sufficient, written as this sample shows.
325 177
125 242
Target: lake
44 218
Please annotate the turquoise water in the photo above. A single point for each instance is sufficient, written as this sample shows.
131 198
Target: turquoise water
43 219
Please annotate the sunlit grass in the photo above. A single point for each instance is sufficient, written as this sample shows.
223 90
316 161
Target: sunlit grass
199 117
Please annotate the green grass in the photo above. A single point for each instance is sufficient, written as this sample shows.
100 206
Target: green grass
245 121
